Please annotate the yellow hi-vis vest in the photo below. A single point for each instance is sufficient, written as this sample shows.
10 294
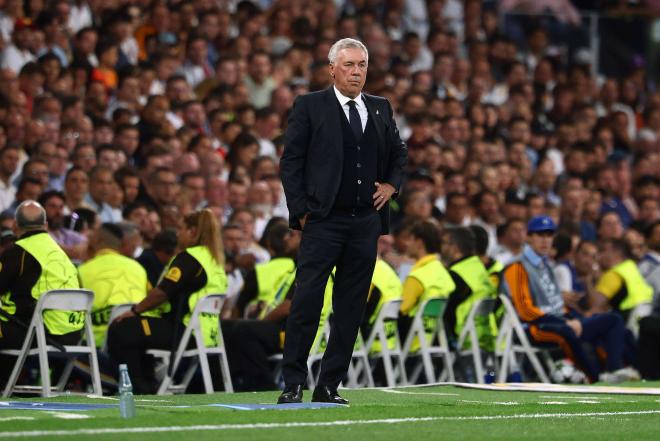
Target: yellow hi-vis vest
114 279
474 274
57 272
437 283
388 283
638 291
280 293
270 276
435 279
216 283
494 272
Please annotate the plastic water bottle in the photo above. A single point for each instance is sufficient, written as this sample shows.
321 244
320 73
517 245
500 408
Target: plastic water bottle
126 400
489 376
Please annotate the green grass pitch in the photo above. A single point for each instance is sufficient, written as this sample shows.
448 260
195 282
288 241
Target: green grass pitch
419 413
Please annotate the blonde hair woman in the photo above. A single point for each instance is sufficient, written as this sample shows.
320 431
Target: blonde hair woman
196 271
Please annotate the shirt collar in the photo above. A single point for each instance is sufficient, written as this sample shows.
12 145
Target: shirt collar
531 255
426 259
343 100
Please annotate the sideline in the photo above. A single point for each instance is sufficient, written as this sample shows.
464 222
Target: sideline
196 428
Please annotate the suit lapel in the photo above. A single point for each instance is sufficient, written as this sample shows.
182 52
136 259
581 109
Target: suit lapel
332 119
375 117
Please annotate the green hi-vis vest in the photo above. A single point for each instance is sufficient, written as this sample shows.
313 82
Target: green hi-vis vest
280 293
270 276
216 283
388 283
437 283
114 279
474 274
638 290
57 272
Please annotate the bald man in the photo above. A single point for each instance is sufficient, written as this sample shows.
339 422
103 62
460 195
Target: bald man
33 265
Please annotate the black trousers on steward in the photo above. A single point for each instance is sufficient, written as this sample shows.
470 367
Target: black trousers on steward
12 336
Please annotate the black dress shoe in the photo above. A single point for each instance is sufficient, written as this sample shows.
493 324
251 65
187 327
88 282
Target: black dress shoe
326 394
291 394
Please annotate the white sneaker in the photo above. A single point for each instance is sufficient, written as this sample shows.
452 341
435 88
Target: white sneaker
620 375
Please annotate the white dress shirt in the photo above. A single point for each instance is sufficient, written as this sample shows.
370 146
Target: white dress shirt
361 107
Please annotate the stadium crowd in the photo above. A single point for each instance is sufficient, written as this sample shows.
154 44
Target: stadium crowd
125 117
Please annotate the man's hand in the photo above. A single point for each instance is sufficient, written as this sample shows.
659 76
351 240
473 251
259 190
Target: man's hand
576 326
127 314
383 194
303 221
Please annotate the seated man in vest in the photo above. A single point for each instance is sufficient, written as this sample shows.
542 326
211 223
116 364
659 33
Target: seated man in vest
531 285
114 278
621 287
472 284
33 265
493 266
428 278
262 282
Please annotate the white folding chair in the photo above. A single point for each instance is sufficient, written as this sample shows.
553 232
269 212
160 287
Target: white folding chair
316 354
483 309
356 370
638 312
78 300
210 304
384 328
429 316
512 341
359 369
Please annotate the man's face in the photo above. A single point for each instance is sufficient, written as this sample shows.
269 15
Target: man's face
457 210
541 242
54 212
100 188
38 170
9 161
195 188
128 140
237 196
165 188
131 187
233 240
76 184
350 71
585 258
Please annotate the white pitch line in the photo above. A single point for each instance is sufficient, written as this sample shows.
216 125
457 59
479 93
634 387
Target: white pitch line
137 399
69 416
403 392
112 430
16 418
576 397
552 402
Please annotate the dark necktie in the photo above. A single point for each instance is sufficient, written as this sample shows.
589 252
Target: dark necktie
354 119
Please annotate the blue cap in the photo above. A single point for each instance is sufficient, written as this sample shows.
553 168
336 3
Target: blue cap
538 224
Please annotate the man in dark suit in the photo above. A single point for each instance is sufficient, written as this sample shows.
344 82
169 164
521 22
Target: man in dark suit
342 163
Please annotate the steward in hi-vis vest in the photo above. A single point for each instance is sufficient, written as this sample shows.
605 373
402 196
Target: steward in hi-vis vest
33 265
262 283
115 279
428 278
385 287
194 273
472 284
622 286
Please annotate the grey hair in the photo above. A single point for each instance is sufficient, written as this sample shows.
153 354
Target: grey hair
346 43
33 221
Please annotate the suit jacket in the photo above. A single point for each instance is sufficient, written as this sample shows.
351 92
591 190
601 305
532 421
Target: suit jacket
311 165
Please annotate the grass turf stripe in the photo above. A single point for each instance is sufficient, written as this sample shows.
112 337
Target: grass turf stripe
110 431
